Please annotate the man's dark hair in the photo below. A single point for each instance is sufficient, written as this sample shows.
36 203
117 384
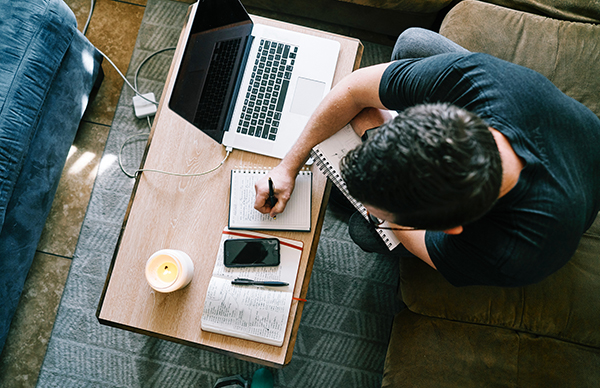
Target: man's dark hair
434 166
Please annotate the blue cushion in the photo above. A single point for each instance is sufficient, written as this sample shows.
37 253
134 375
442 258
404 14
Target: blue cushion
34 37
47 71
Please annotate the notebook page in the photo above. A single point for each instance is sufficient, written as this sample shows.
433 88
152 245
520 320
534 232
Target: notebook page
242 215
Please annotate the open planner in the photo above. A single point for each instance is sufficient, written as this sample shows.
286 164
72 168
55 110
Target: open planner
328 155
242 215
255 313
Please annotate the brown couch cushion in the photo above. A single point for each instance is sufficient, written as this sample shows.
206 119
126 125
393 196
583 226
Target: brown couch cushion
565 306
567 53
429 352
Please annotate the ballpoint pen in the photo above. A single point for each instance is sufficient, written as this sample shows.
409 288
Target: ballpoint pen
272 193
250 282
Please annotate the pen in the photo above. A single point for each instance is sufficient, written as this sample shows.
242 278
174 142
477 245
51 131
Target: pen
271 193
250 282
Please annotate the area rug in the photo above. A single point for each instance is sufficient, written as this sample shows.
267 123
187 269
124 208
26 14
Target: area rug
345 327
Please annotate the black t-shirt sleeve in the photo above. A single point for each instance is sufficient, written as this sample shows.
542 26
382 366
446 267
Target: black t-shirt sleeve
410 82
488 254
403 84
464 261
463 272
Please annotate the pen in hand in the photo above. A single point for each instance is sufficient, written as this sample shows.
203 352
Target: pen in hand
272 198
250 282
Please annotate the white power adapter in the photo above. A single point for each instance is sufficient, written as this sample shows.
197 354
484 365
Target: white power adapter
142 107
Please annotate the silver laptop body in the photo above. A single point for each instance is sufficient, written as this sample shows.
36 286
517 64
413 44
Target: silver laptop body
250 86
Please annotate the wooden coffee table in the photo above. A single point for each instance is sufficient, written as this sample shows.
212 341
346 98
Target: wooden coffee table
189 214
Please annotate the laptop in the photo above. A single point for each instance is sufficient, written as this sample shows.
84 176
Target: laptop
250 86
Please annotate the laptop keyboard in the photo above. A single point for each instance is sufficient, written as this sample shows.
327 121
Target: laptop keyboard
215 87
272 71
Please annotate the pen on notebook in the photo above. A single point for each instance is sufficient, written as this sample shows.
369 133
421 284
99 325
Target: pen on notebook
250 282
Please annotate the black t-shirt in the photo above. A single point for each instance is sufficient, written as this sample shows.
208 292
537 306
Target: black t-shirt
534 229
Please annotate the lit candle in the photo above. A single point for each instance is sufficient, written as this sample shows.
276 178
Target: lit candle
168 270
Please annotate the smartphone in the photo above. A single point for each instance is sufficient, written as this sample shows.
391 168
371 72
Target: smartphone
251 252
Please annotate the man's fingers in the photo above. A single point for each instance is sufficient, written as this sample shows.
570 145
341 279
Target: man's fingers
261 202
276 184
279 207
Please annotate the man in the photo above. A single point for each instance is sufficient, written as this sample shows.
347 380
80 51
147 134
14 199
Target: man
489 174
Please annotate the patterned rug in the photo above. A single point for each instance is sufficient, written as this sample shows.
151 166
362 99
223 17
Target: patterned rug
345 327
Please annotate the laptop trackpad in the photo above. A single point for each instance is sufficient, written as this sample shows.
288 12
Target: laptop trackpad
307 96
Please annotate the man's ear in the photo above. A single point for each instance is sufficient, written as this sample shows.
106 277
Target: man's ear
455 230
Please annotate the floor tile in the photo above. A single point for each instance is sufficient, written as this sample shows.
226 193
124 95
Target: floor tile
32 324
63 225
81 9
113 30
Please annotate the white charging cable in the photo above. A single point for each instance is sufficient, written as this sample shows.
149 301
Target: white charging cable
138 171
126 80
145 135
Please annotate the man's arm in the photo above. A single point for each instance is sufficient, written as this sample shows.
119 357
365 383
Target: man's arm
414 241
347 99
369 118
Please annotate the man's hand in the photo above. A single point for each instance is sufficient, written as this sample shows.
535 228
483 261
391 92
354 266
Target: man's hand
283 184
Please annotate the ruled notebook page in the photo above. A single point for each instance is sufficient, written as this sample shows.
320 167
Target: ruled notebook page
242 215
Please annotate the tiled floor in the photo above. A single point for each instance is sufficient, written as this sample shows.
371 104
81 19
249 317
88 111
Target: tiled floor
113 30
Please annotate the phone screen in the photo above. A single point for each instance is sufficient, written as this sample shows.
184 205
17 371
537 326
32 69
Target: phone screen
251 252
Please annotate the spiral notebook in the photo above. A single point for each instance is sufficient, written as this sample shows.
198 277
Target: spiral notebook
328 155
242 215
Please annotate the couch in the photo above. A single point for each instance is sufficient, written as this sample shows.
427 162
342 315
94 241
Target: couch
543 335
47 72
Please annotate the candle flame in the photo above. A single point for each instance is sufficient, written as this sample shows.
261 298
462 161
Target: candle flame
167 272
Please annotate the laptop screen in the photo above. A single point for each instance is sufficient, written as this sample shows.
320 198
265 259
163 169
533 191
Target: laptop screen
211 63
